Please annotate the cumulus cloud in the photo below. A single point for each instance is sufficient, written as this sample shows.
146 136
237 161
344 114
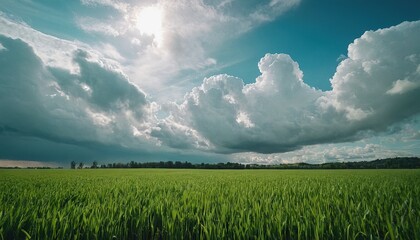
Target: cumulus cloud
276 113
377 84
280 113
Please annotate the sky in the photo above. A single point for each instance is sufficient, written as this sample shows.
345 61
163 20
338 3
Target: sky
256 81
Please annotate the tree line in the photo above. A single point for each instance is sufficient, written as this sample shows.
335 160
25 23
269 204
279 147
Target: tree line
388 163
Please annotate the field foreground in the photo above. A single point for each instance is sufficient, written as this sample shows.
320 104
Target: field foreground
209 204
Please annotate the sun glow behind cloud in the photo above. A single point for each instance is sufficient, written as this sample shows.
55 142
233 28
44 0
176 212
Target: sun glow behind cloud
149 22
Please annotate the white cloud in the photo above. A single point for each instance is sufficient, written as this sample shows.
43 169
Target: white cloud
280 113
366 83
238 117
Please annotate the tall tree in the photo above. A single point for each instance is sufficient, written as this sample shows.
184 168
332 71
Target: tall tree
80 165
73 165
95 164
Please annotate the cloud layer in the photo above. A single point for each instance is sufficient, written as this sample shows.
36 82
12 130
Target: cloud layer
62 100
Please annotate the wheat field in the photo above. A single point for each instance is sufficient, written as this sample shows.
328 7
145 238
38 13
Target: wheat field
209 204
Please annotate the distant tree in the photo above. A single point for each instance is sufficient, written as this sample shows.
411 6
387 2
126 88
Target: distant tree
170 164
94 164
178 164
80 165
73 165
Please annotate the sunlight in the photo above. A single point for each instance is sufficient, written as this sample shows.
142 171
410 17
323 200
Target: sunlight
149 22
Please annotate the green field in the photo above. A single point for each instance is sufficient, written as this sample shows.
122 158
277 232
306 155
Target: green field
209 204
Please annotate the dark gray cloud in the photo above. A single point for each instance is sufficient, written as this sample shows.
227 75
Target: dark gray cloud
71 114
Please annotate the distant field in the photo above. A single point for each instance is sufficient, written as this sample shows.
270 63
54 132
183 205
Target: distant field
209 204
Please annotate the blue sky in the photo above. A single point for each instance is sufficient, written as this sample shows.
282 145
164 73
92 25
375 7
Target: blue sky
208 81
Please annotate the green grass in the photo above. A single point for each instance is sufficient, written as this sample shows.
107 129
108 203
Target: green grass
209 204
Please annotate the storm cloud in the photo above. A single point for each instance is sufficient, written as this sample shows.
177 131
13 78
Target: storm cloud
41 104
